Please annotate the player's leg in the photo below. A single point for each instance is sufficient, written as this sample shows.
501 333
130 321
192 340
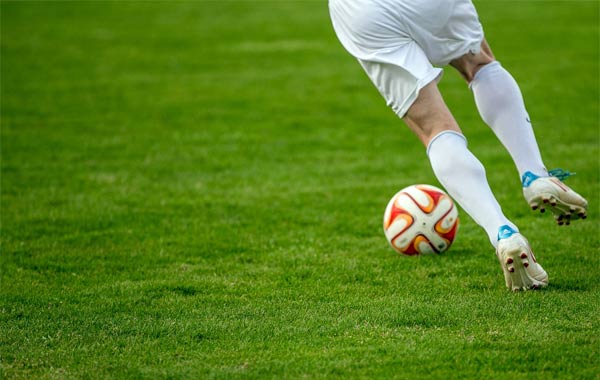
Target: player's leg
463 176
500 104
419 103
457 169
406 79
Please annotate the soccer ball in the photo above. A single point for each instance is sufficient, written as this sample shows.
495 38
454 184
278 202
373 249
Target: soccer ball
420 219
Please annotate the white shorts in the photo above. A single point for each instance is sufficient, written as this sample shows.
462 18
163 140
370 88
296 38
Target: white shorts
398 42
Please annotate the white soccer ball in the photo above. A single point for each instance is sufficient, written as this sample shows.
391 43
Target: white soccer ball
420 219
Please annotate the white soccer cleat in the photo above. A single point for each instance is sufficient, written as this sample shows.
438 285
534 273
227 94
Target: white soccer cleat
521 269
551 193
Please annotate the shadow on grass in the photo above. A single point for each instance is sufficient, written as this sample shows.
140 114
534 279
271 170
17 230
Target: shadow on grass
575 285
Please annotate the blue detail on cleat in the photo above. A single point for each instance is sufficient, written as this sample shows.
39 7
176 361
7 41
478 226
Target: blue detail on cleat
506 231
529 177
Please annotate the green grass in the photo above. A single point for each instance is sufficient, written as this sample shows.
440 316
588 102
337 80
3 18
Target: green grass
195 190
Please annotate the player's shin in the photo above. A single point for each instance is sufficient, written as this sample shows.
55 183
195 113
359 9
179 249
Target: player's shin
501 106
463 176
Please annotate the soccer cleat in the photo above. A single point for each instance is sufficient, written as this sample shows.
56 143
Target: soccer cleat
521 269
550 193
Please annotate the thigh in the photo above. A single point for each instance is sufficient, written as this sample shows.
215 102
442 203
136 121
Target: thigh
369 29
460 32
469 64
376 32
400 78
429 115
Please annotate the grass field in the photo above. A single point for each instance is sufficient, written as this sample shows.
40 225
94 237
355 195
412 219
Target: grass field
194 190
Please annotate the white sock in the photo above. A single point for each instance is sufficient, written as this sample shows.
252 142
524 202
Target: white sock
501 106
463 177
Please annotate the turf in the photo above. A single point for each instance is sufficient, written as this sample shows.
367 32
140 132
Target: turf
195 190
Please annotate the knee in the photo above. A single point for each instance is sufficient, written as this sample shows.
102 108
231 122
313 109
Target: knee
469 64
429 115
468 68
471 71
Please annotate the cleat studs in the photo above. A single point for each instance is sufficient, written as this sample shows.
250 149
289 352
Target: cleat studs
584 216
509 261
523 255
542 210
560 223
546 200
511 269
526 264
553 202
534 207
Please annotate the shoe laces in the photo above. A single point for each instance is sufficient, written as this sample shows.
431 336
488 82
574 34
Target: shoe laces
560 173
